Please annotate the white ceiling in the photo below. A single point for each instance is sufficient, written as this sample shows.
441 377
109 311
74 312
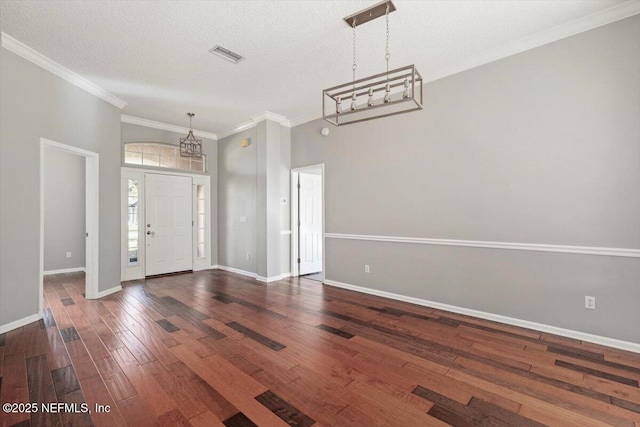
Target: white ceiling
154 54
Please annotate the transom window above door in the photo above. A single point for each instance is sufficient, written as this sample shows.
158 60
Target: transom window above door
160 155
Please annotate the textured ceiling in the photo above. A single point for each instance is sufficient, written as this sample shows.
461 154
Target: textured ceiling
154 54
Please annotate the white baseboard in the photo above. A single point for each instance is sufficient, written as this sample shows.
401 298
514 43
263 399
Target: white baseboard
64 270
234 270
249 274
596 339
272 278
109 291
20 322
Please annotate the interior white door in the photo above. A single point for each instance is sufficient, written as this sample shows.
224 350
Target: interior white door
168 224
310 216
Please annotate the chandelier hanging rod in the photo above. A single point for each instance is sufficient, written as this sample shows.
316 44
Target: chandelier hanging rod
370 13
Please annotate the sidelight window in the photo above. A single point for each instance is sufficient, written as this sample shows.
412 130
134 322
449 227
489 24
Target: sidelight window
132 220
200 221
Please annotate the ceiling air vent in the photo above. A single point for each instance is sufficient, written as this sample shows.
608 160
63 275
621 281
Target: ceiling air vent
226 54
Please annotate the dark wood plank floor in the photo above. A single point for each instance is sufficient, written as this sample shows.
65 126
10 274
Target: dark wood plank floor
217 349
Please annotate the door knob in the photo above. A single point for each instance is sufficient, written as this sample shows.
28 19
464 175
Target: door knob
150 233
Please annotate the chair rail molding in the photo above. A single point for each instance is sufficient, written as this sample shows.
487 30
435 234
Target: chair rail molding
537 247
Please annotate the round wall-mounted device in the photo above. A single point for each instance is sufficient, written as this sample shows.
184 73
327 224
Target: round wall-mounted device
324 131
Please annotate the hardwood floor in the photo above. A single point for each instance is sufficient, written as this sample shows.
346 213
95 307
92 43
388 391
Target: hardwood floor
217 349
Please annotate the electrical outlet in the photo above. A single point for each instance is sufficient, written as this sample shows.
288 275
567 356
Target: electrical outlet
68 254
366 268
248 256
590 302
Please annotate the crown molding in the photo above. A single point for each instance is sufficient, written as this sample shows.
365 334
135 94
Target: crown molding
165 126
268 115
239 128
48 64
559 32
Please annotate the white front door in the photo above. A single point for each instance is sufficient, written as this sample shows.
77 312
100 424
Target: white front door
168 224
310 216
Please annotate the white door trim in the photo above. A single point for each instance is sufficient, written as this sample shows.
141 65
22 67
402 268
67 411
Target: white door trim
92 186
295 271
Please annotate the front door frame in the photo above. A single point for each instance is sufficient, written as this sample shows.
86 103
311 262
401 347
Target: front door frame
295 209
137 271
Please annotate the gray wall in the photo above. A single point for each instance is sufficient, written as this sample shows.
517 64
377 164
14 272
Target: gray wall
252 183
285 191
136 133
540 147
64 210
272 139
237 192
34 104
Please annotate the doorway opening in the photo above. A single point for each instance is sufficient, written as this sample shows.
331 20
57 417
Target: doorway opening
90 208
307 218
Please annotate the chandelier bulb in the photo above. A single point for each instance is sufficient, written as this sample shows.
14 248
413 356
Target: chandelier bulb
338 105
370 103
387 95
354 98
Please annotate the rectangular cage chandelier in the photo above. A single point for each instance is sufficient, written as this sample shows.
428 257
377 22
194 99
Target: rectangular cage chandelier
385 94
190 146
